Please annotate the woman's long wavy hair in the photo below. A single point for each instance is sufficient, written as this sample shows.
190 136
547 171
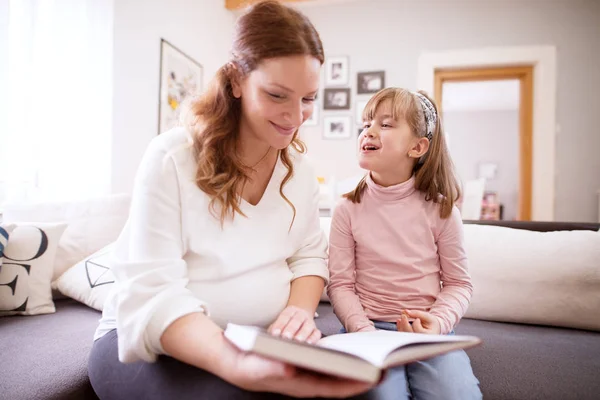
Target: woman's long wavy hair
267 30
434 174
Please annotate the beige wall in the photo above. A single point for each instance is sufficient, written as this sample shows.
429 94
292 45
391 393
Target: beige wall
376 34
390 35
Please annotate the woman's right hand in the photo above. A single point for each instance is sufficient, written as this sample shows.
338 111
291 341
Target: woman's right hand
258 374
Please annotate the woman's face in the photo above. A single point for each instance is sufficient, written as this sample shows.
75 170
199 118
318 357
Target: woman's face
277 97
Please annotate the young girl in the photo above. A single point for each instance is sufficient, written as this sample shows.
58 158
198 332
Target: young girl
396 257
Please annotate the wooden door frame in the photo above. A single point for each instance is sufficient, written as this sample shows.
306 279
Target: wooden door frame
524 74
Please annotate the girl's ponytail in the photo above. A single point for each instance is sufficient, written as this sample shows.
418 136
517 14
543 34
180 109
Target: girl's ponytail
435 175
355 195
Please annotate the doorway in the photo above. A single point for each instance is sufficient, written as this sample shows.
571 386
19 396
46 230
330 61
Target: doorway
522 76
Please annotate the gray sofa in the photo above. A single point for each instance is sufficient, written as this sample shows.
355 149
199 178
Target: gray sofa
45 356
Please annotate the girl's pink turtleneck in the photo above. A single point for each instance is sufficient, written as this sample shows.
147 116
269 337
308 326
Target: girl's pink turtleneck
393 251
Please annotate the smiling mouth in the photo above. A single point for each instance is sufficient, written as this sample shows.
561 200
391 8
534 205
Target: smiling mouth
284 130
369 147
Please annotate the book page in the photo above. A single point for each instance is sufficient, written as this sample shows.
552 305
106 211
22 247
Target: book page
376 346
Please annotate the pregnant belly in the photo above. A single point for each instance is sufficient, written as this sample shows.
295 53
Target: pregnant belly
255 298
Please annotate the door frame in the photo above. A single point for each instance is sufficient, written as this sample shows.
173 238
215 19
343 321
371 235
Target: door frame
543 60
525 76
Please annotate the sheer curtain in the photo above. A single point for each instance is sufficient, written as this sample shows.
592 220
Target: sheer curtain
56 138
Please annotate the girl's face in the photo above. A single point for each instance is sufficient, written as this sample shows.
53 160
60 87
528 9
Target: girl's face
277 97
388 147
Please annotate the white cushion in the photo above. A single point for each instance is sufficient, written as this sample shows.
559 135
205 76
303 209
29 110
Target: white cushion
90 280
92 224
546 278
325 226
27 267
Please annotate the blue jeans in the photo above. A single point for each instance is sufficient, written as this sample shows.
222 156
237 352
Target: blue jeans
448 377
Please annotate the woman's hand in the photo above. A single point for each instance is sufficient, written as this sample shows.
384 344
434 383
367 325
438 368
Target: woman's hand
424 322
296 323
198 341
258 374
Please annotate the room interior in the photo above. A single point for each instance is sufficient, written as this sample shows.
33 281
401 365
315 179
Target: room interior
126 59
85 86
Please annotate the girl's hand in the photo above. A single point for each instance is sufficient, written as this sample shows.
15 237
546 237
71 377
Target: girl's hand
296 323
423 322
258 374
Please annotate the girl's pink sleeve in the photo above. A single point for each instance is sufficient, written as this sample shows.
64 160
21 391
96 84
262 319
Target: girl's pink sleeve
340 290
455 296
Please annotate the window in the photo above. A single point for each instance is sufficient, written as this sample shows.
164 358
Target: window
55 127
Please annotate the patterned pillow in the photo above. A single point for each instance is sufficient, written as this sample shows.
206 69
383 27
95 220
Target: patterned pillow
90 280
4 234
27 266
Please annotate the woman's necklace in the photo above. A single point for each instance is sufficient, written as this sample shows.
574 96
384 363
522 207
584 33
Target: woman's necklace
259 161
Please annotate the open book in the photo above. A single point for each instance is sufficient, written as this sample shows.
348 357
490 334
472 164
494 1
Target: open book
362 356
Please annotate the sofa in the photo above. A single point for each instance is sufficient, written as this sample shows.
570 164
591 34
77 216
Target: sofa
522 357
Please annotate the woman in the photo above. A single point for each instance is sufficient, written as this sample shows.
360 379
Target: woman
223 228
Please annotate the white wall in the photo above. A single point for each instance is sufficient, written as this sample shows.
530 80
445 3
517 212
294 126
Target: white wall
200 28
390 35
487 137
3 83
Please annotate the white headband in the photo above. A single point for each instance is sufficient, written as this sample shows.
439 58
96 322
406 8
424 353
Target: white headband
429 113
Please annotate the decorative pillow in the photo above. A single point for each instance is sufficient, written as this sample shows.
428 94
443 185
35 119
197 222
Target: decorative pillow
545 278
27 267
92 224
5 232
90 280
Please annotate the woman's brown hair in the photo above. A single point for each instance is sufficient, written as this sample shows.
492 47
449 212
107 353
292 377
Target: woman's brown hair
434 173
267 30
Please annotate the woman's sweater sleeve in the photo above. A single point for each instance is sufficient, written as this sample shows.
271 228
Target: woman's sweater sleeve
148 265
311 257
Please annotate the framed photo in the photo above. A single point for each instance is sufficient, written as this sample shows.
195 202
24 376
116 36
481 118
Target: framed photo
336 99
337 127
180 77
337 71
370 82
360 106
314 118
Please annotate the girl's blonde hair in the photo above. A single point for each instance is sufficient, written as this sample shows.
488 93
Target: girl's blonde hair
434 173
267 30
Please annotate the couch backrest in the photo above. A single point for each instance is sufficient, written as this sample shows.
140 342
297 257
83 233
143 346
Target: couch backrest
541 226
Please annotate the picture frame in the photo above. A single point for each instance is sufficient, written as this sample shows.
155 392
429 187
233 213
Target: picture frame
314 118
337 71
337 127
370 82
336 99
180 78
360 106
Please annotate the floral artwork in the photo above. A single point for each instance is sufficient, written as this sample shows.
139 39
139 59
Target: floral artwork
180 78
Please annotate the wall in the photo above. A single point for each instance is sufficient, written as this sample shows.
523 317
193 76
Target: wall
3 87
200 28
487 136
390 35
